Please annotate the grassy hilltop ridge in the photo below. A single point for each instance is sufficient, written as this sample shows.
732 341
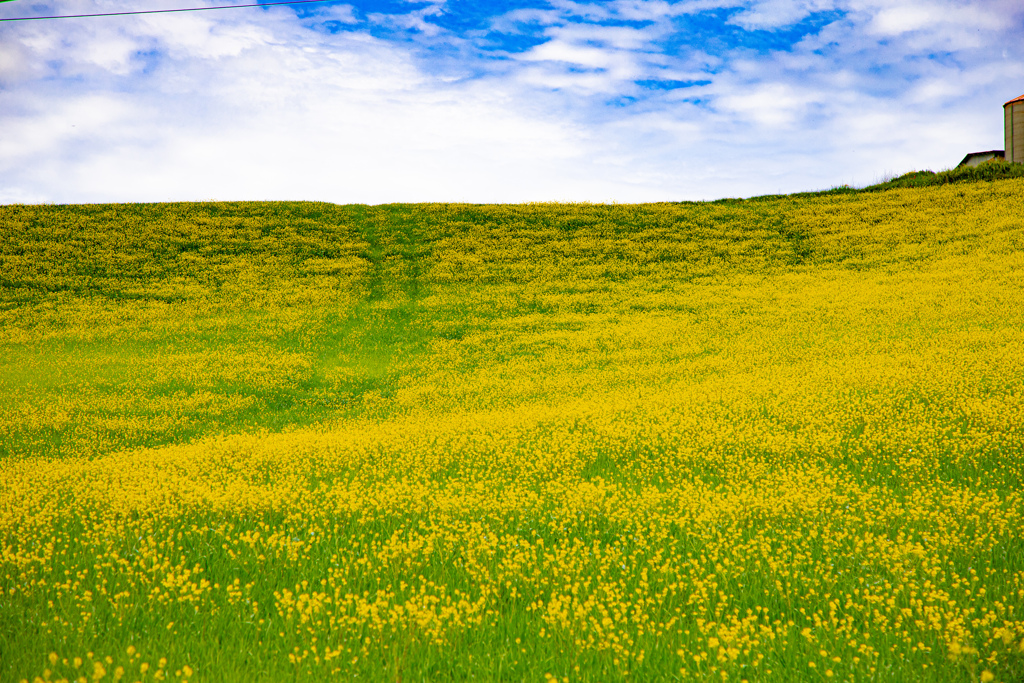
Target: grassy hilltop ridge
767 440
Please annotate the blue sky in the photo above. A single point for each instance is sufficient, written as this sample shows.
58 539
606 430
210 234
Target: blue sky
518 100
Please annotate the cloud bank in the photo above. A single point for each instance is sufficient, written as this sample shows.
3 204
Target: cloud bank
370 102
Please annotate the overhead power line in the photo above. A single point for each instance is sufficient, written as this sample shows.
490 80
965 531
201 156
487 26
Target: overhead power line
166 11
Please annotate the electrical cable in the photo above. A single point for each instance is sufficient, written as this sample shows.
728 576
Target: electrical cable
164 11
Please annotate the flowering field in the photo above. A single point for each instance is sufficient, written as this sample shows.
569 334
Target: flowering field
778 439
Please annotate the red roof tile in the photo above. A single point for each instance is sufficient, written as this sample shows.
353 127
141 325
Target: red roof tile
1016 99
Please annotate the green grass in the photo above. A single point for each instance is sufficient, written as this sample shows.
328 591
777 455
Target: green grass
802 411
996 169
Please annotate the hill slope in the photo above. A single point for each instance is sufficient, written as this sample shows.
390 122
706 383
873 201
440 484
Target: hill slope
442 441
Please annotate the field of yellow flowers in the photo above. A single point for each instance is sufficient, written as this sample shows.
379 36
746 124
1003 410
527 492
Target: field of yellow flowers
777 439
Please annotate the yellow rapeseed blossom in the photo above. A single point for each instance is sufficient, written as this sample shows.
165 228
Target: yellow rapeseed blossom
744 440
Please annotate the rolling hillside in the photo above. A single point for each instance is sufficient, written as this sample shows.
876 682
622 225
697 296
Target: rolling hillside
766 439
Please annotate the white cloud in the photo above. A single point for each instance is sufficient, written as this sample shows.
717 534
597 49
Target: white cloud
643 10
771 14
263 105
904 17
415 20
896 20
616 37
562 51
280 112
769 106
15 64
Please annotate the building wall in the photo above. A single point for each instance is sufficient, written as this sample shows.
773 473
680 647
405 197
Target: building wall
978 159
1014 130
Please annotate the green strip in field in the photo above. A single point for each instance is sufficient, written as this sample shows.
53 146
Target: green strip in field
362 353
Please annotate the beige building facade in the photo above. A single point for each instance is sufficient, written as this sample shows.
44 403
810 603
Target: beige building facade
1013 112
